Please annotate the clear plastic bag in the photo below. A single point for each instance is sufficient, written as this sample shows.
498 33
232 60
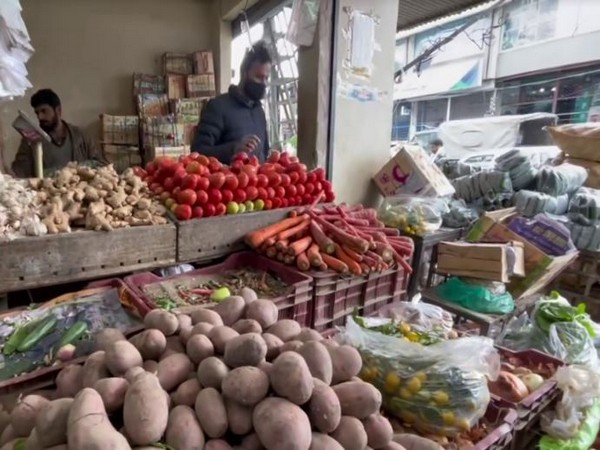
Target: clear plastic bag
420 316
415 215
584 207
438 389
477 295
459 215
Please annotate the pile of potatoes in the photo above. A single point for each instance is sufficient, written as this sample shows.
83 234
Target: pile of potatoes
234 377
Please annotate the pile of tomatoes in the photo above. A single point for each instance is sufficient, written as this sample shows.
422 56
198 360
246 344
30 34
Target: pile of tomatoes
195 185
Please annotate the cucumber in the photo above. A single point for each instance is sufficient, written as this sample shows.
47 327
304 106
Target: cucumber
73 334
18 335
45 327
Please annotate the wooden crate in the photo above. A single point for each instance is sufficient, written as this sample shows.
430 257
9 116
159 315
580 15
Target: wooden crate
203 62
214 237
176 86
120 130
179 63
49 260
201 85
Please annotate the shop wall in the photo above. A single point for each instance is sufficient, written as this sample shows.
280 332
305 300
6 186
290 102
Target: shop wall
87 51
362 127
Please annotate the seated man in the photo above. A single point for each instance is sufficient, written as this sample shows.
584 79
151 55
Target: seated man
69 143
235 121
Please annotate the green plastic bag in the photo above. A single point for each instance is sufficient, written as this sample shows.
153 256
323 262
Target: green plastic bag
475 297
585 436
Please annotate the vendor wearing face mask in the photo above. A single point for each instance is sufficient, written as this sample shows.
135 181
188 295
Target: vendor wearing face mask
235 122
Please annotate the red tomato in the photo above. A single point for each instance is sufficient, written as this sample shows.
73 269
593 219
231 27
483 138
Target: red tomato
197 212
243 180
270 192
194 167
306 199
253 160
214 196
291 201
318 187
262 193
276 202
220 209
189 181
320 173
311 177
274 156
294 177
151 168
175 192
164 161
268 204
178 176
294 159
327 185
201 198
202 183
241 156
300 189
291 191
168 184
284 203
302 176
262 180
164 196
187 197
217 180
284 159
227 195
266 168
251 193
296 167
252 180
239 195
274 179
280 191
249 169
203 159
309 188
183 212
194 156
214 165
209 210
231 182
137 170
329 196
285 180
236 166
298 200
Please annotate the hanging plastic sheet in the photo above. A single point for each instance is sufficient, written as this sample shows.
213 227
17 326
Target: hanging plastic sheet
15 50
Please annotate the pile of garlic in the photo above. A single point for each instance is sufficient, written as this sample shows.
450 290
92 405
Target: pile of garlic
18 210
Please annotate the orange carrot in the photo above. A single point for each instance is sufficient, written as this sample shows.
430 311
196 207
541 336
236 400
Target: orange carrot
293 213
323 266
286 234
334 263
351 253
280 256
255 238
271 252
325 243
365 269
270 242
282 245
342 237
302 261
289 259
314 256
299 246
352 264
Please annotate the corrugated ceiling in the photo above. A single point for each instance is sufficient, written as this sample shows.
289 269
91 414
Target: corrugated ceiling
416 12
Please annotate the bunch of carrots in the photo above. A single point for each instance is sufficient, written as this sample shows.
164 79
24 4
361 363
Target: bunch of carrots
347 239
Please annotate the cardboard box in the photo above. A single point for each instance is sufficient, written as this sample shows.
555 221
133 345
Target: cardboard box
201 85
148 84
123 130
122 157
540 268
411 172
178 63
176 86
150 105
495 262
189 107
204 62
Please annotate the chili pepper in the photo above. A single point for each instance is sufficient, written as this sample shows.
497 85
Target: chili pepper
38 333
73 334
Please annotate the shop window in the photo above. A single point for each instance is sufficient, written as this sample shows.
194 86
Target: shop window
401 121
431 114
528 22
470 106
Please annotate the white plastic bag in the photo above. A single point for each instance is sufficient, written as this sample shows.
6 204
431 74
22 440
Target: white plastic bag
420 316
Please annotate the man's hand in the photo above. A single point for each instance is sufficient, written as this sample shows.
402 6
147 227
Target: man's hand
247 144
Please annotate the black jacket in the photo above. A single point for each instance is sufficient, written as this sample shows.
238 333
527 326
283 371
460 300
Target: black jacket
225 120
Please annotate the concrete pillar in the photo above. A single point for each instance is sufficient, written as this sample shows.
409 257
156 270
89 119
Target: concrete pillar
362 130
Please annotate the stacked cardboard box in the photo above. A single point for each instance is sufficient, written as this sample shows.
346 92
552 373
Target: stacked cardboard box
120 140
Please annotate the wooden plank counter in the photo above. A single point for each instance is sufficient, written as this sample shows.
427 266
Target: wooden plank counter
33 262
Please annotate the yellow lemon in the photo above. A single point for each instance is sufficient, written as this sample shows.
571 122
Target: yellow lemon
440 397
412 336
405 394
392 381
405 328
407 416
463 424
414 385
448 418
421 376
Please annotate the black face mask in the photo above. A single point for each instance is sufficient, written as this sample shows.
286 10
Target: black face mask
254 90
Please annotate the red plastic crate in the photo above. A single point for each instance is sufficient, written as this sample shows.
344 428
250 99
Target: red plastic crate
335 296
501 437
530 408
128 299
296 305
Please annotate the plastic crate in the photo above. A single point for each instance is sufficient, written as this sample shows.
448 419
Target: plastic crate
296 305
530 408
503 420
129 300
335 297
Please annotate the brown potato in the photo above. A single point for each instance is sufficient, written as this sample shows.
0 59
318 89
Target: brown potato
145 410
239 417
324 409
265 312
174 370
358 399
318 360
217 444
187 392
164 321
112 391
291 378
22 417
246 385
291 346
274 345
211 372
330 343
133 373
199 347
150 366
103 338
51 422
8 435
185 334
346 363
94 369
183 430
202 328
286 330
265 367
244 326
206 315
249 295
281 425
121 356
231 309
150 343
175 345
245 350
351 434
321 441
379 430
33 441
308 335
211 412
185 321
395 446
69 381
413 442
220 336
251 442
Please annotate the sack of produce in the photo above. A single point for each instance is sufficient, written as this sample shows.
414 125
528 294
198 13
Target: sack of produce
584 207
585 237
437 385
550 236
473 187
415 215
519 166
530 203
422 317
459 215
559 180
488 297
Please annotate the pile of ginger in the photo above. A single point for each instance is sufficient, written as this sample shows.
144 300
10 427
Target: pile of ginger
79 196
